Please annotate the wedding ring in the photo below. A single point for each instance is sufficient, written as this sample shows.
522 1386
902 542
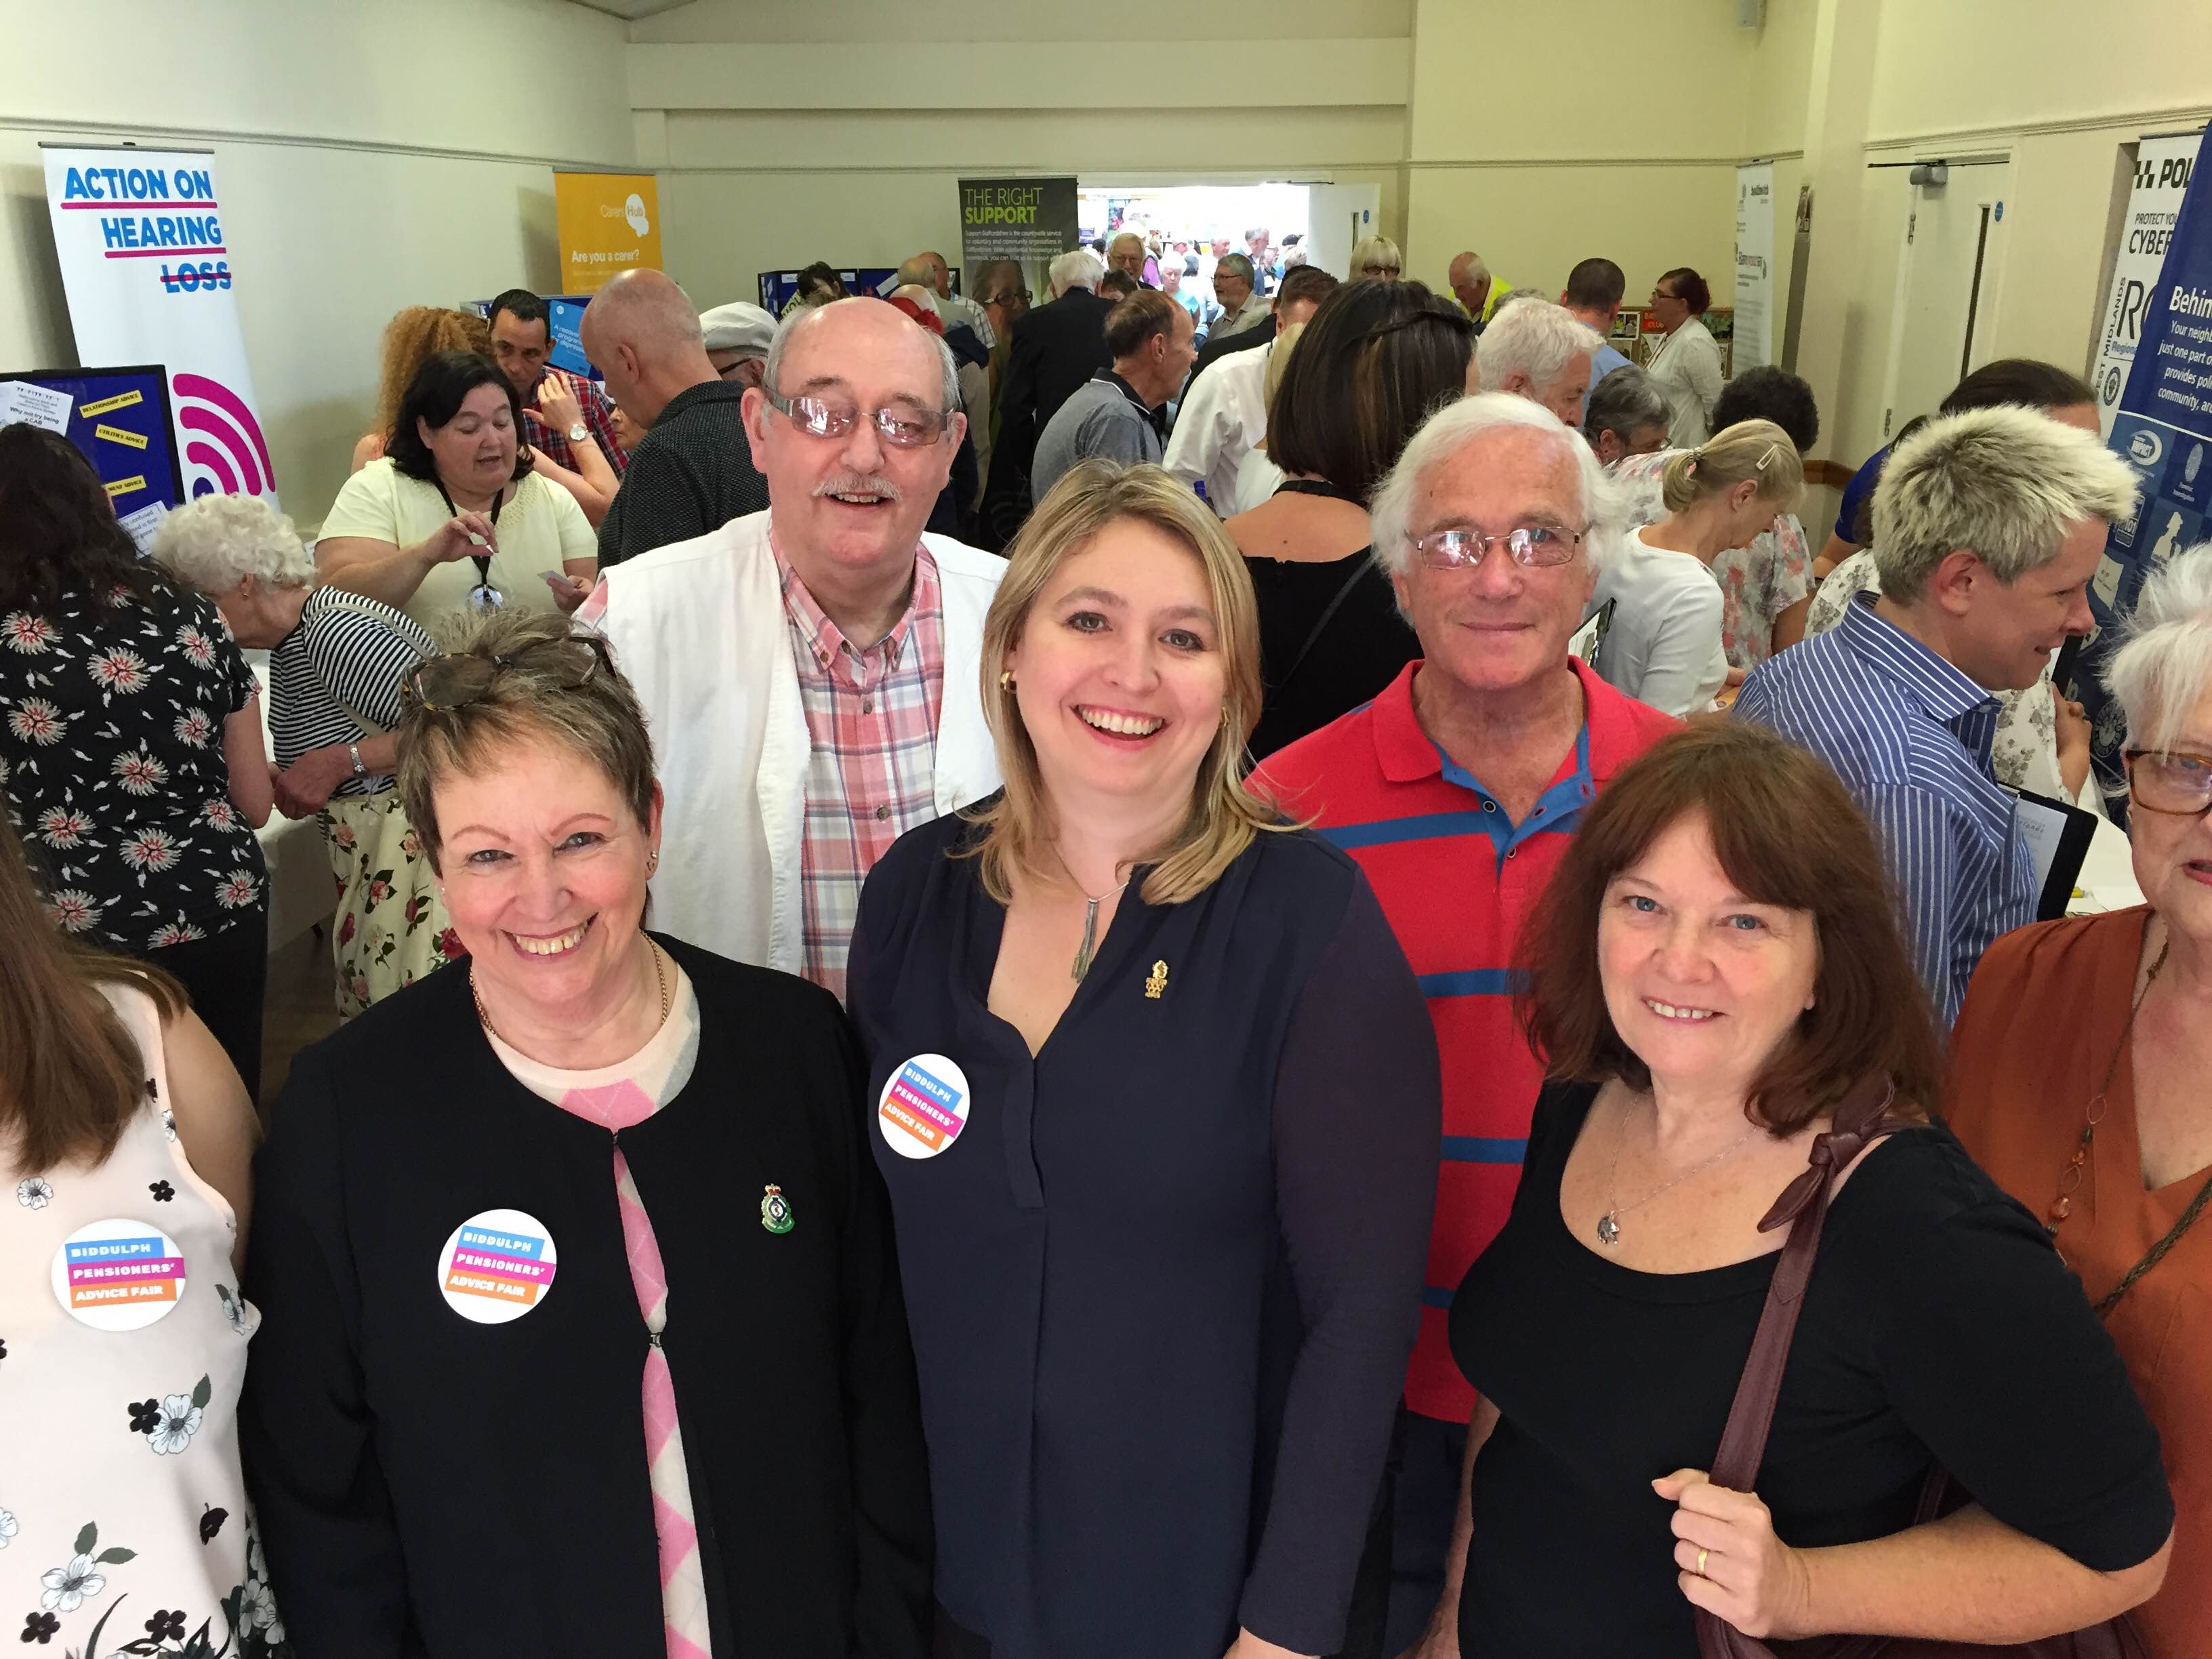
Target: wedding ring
1702 1555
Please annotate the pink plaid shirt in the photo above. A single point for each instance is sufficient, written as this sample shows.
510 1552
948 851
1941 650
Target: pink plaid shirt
872 762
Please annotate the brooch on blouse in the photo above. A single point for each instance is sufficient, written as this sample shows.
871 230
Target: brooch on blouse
1157 983
775 1209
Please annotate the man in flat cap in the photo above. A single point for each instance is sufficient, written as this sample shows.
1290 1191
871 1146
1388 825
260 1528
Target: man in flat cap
682 376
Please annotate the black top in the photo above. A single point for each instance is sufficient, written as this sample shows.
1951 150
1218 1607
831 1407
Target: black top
1350 660
1939 1324
1054 350
1164 1283
427 1486
111 766
693 472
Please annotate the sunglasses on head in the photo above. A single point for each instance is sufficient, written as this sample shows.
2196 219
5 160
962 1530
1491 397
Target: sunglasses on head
444 684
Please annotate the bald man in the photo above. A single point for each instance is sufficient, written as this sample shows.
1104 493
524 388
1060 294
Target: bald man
1477 291
928 268
813 674
692 472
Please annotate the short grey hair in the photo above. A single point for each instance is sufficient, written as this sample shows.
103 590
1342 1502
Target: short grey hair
2006 483
1456 427
1533 338
2163 669
212 543
1077 267
1624 402
772 376
1236 264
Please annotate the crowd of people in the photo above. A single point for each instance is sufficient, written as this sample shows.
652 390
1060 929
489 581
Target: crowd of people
949 1051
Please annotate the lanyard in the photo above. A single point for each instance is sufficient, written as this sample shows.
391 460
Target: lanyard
483 595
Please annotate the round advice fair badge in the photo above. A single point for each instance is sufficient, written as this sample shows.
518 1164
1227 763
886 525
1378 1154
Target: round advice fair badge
924 1106
118 1275
497 1267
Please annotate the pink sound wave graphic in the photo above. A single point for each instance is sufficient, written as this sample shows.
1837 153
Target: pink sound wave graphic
228 445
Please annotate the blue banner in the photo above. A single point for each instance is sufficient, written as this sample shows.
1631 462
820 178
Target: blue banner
2164 430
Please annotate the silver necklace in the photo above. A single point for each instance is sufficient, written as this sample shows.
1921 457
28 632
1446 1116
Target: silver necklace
1608 1225
1085 953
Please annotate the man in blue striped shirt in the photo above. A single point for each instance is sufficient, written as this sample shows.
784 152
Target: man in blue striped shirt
1988 527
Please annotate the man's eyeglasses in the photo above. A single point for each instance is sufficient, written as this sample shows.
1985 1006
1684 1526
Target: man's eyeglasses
1534 546
444 684
1011 296
2178 783
902 429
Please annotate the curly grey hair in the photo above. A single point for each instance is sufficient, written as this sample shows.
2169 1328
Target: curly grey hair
213 544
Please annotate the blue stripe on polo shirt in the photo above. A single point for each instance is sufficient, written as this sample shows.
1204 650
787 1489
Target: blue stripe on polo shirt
1484 1149
1437 1295
1420 826
1473 982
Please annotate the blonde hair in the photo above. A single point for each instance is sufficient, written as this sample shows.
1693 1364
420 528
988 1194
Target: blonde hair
411 339
1279 359
1375 249
1750 452
600 721
1018 827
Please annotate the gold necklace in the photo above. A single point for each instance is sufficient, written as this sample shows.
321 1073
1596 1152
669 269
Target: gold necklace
660 976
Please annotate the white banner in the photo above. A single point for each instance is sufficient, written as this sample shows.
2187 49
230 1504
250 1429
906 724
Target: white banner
1754 266
2162 167
148 280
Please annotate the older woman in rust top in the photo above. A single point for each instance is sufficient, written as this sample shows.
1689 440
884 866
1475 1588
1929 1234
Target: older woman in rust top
2078 1068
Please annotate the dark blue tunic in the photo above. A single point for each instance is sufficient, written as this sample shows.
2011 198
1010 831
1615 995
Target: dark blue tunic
1164 1281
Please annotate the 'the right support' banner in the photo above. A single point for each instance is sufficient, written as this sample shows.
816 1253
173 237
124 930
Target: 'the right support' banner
2163 428
1031 221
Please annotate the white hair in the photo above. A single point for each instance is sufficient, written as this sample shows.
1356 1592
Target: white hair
1458 427
210 545
1533 338
2007 483
2163 669
772 376
1077 267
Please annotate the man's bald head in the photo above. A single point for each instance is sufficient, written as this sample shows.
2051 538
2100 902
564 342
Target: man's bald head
642 334
1470 282
930 270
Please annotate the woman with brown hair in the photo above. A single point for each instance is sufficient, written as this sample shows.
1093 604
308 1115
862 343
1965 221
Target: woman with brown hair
125 1138
1717 977
1156 1098
1377 358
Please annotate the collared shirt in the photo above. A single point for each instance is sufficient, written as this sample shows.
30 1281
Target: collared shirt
1458 878
1222 416
1758 581
599 419
1603 361
872 762
693 473
1909 735
1254 309
1104 420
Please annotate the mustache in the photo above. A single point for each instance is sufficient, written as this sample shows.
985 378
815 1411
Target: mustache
859 483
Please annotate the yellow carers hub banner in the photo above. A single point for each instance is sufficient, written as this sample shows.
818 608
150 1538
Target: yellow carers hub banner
610 222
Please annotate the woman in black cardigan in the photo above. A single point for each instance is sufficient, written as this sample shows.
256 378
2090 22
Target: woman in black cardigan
582 1333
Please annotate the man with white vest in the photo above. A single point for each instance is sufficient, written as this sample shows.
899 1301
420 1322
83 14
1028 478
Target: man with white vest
809 673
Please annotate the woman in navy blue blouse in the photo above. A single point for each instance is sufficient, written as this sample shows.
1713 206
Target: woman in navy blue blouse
1156 1098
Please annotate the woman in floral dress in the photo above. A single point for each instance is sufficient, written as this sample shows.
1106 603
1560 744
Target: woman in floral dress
131 758
125 1141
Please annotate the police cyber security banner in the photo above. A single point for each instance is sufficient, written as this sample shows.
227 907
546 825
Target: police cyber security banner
2163 164
139 234
2163 428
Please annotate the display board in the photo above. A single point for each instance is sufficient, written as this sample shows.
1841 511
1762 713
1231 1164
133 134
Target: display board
2163 164
120 417
1754 266
2163 429
140 238
1031 221
778 288
608 223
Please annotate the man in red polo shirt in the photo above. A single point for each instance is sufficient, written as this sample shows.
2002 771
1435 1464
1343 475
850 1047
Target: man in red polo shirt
1456 790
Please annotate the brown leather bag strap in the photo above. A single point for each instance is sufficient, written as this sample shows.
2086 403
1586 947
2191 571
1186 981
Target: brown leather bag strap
1859 1121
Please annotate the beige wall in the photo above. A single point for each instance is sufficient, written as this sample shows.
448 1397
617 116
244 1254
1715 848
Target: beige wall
368 158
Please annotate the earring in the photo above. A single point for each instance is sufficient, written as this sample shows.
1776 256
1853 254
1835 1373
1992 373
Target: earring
1006 680
651 862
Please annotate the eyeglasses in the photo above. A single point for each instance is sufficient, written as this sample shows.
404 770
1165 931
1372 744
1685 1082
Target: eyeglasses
902 429
1659 294
445 683
1379 271
2181 784
1011 297
1533 546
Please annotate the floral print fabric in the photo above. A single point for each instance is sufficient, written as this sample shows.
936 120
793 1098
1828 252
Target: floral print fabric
112 765
391 929
1758 582
124 1528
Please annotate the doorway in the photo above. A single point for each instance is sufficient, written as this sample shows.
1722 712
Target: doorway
1325 219
1948 278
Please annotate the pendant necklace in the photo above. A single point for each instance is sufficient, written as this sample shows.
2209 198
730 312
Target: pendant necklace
1608 1225
659 977
1085 952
